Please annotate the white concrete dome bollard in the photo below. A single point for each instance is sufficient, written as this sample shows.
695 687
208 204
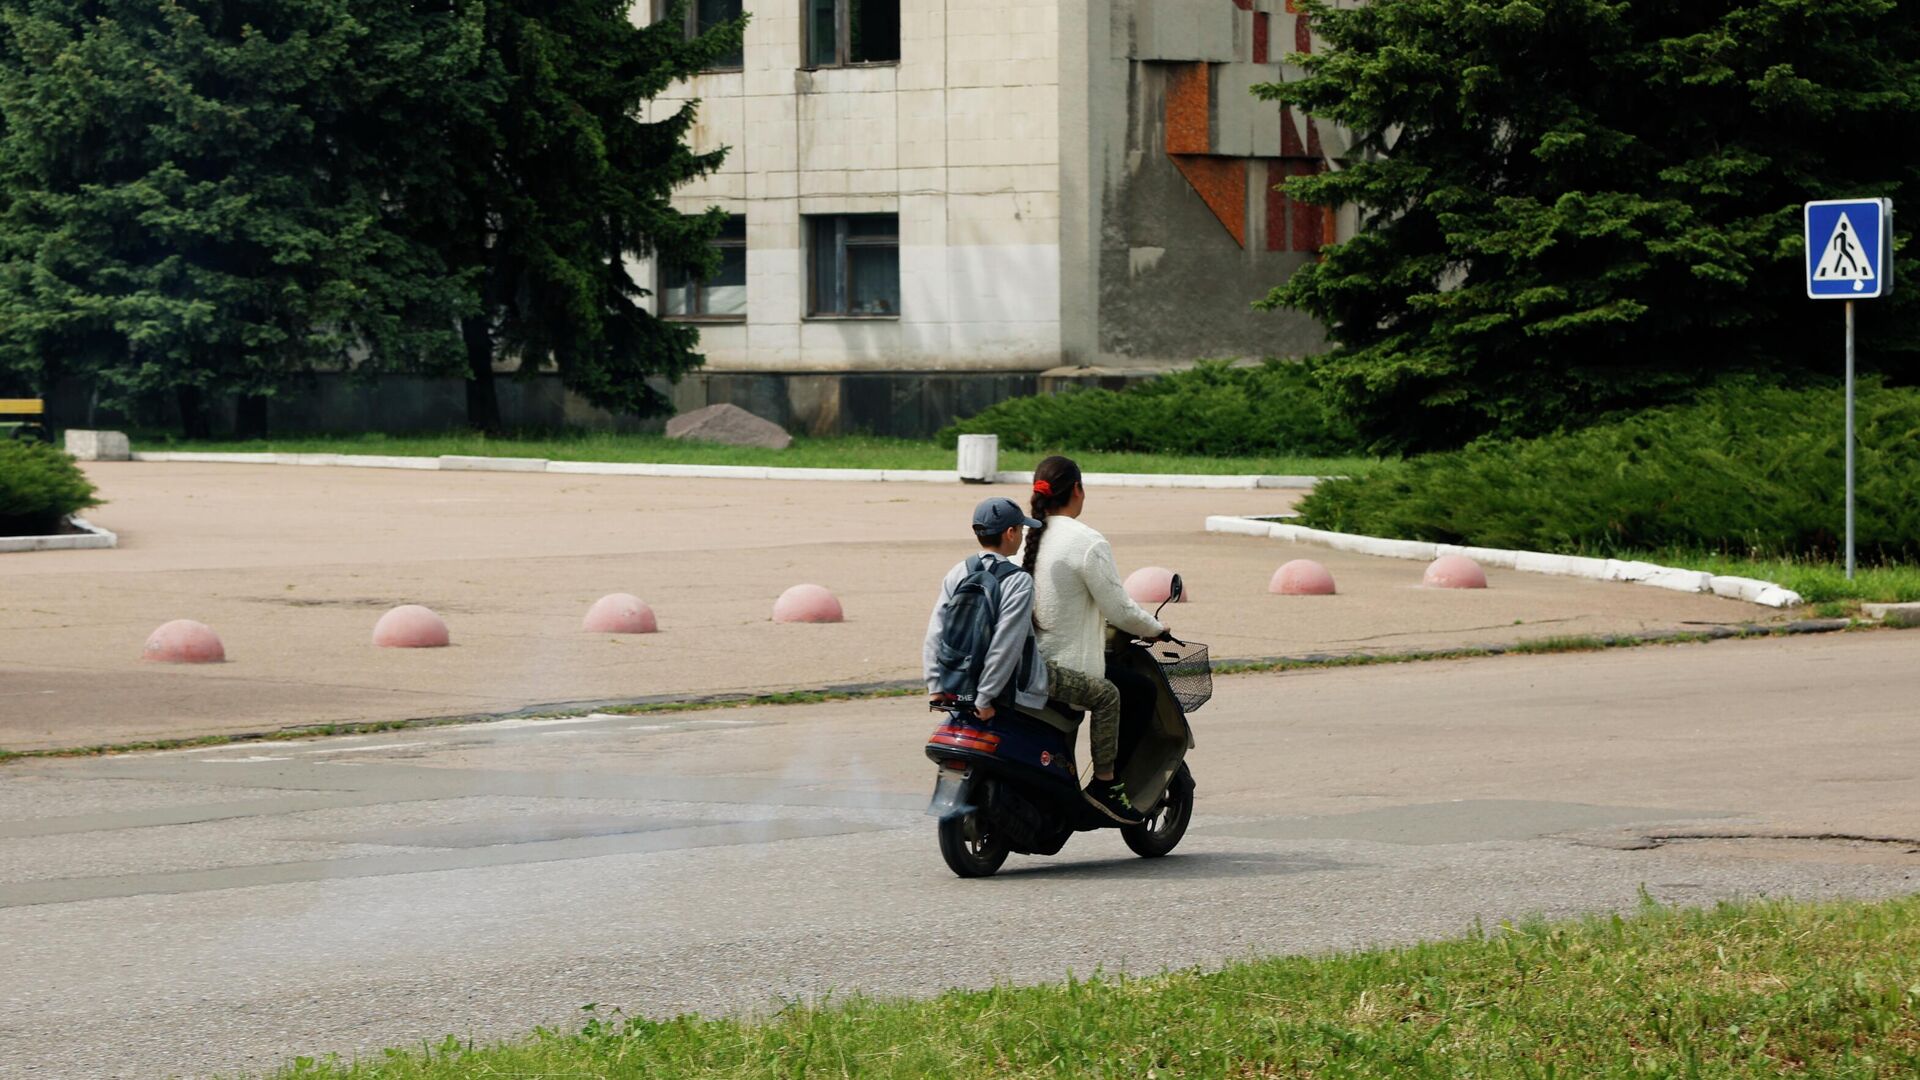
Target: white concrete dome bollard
1302 577
1454 572
1153 584
184 641
807 604
410 626
619 613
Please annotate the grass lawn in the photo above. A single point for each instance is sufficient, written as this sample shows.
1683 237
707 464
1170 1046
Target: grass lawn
1751 990
849 452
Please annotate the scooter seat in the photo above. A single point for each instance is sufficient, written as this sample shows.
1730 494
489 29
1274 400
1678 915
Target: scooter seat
1057 715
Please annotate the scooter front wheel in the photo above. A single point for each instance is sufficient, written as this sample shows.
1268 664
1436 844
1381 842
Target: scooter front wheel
1168 822
970 847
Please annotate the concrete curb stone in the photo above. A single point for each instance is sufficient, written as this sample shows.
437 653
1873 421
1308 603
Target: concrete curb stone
92 537
474 463
467 463
1903 616
1751 590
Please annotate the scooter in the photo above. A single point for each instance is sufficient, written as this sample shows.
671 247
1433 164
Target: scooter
1009 784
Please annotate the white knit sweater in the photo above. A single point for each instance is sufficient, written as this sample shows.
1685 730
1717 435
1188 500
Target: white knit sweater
1077 592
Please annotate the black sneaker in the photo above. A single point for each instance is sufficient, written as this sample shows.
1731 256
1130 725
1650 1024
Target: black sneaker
1110 798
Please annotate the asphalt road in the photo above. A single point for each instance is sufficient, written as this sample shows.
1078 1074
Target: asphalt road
225 909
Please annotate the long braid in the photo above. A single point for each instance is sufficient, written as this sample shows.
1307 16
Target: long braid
1053 484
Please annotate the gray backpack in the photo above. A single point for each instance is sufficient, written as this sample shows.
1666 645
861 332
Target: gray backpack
973 612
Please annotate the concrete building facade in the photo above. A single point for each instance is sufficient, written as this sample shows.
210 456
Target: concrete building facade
940 203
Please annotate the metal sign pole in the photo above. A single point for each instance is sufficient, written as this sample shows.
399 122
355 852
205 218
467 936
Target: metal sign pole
1849 440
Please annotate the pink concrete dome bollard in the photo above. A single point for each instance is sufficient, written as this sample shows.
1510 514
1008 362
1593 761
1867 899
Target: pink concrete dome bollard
184 641
619 613
1455 572
1302 577
1152 584
410 626
807 603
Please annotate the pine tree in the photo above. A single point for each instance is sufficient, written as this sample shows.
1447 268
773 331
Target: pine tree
201 198
560 184
1577 206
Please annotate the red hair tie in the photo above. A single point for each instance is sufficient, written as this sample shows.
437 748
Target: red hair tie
1041 487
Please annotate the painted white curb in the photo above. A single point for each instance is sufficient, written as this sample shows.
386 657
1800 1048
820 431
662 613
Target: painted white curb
470 463
93 537
1753 591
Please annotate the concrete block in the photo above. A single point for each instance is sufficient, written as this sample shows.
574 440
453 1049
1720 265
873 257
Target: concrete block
1295 483
979 457
90 536
1240 526
1900 615
468 463
1399 549
919 476
98 445
1503 558
601 468
385 461
867 475
1629 570
306 459
1539 562
1739 588
1693 581
1777 597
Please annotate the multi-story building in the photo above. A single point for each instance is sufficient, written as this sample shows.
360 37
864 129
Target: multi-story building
940 203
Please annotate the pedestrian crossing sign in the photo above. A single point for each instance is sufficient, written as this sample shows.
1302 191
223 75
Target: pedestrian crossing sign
1849 249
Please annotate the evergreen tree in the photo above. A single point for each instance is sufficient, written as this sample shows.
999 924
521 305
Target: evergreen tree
200 198
560 183
1577 206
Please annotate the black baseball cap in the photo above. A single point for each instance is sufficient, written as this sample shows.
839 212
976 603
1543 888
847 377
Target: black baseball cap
995 516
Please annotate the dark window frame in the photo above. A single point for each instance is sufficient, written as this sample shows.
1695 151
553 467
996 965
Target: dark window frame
842 268
692 30
698 293
843 38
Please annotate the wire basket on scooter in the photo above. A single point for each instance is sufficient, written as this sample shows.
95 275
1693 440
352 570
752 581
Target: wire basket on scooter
1189 673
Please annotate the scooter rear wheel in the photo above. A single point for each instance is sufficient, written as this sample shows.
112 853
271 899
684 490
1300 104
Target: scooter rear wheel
1168 822
970 848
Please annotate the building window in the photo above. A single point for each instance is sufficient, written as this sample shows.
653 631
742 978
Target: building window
702 16
843 32
722 295
856 266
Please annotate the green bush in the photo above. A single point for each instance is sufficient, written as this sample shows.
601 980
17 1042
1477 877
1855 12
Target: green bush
1214 409
1747 469
39 487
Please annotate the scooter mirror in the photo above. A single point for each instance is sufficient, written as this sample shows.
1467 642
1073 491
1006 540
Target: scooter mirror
1174 589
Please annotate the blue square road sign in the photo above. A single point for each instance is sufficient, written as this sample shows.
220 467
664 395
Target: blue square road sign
1849 249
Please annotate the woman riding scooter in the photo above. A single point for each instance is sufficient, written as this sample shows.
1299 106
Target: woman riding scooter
1077 592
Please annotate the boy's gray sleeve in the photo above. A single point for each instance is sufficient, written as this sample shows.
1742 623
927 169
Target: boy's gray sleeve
936 626
1009 638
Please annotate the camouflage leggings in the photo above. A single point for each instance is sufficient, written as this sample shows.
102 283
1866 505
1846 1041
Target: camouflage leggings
1097 695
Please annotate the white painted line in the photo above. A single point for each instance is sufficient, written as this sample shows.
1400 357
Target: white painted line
1765 593
365 749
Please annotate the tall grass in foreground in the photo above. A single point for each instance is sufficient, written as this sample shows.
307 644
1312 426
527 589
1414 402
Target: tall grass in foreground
1741 990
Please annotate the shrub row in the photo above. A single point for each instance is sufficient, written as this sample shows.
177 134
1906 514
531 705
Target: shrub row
1748 469
1215 409
39 487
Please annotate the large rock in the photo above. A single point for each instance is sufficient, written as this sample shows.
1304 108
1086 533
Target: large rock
729 424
